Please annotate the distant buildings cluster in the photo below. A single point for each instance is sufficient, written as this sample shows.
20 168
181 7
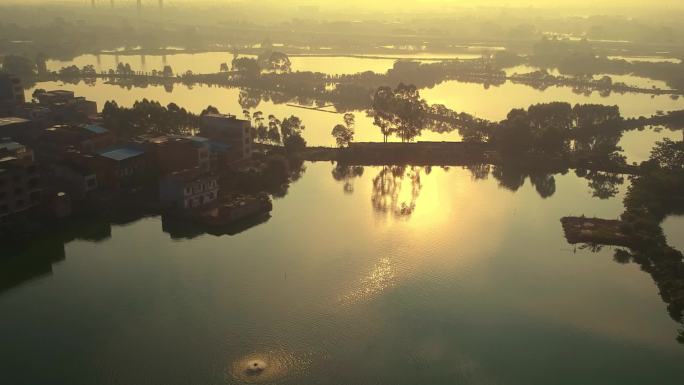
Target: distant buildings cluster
56 150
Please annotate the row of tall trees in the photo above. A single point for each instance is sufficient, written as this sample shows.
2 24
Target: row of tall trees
148 117
268 61
286 132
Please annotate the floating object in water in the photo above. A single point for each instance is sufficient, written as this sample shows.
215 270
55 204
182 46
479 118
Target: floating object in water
255 367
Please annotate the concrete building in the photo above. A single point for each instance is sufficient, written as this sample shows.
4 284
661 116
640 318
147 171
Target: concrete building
55 97
20 188
220 154
19 129
10 148
66 107
122 166
42 116
188 189
74 178
229 130
86 138
11 89
176 153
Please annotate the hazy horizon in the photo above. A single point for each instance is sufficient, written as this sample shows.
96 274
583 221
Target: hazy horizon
403 4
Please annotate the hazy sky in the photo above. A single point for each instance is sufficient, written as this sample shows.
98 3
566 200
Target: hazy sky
410 3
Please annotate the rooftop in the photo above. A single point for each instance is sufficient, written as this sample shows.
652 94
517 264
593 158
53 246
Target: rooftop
96 129
191 175
76 167
198 139
121 153
221 116
12 120
11 146
59 92
7 159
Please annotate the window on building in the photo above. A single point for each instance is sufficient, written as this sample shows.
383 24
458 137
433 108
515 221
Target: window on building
33 183
4 209
18 191
35 196
17 178
19 203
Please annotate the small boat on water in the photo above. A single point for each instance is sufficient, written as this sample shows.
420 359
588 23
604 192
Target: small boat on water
235 210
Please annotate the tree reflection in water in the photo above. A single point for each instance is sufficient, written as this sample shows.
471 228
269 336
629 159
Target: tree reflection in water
512 177
345 173
545 184
603 185
479 171
388 185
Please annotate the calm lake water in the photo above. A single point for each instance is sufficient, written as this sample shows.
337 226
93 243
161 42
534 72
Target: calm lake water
495 102
631 80
210 62
476 286
674 231
637 144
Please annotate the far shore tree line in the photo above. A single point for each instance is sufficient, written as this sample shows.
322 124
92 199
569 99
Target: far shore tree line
271 70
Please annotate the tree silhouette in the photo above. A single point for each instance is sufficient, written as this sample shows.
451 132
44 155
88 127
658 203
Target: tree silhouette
400 111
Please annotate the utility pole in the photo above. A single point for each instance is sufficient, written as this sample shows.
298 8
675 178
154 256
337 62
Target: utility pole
111 3
139 7
92 4
161 5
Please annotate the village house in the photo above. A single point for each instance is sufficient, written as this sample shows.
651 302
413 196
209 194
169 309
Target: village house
176 153
72 177
188 189
11 90
19 129
86 138
20 188
122 166
66 107
231 131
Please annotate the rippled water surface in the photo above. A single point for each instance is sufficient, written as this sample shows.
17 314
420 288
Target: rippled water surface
429 277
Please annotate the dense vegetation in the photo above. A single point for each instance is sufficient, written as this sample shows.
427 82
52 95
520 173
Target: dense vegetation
652 196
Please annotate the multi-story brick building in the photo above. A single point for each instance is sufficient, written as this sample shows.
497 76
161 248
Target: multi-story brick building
11 89
66 107
229 130
20 188
176 153
86 138
188 189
